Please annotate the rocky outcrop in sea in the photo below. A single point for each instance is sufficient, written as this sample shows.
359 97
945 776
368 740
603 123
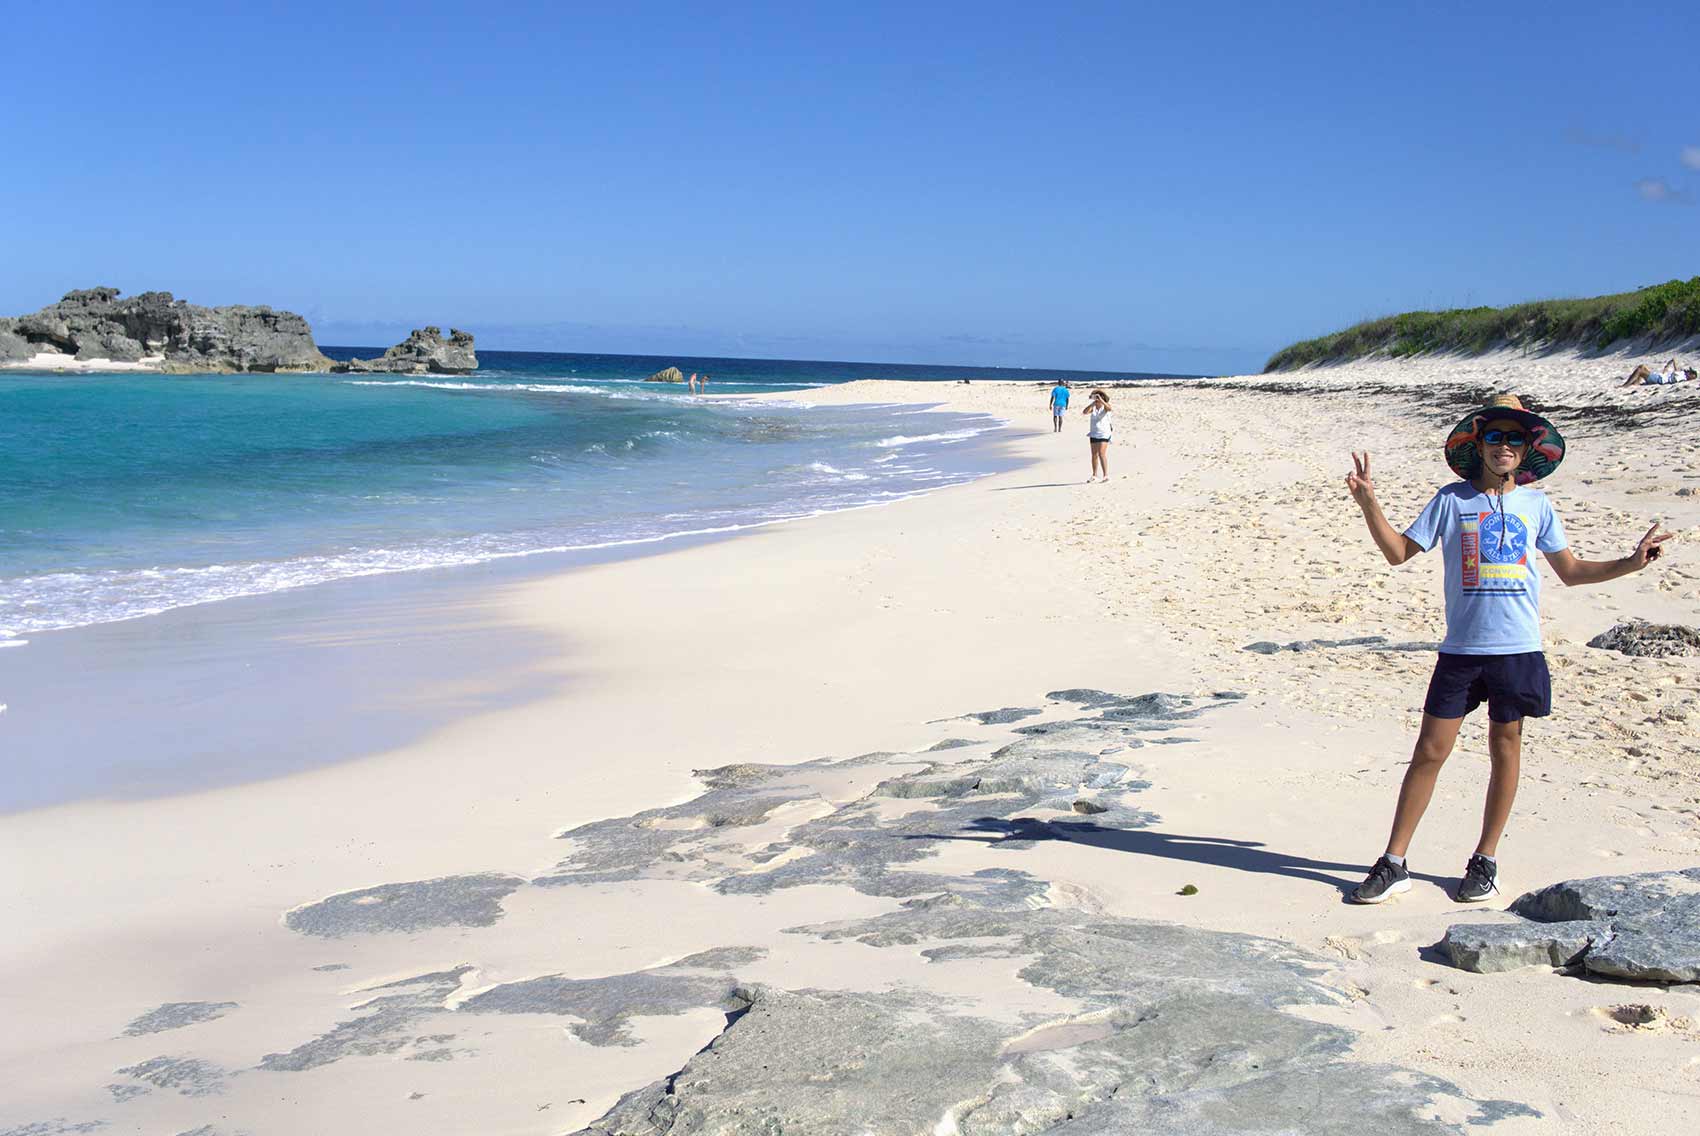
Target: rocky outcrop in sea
96 324
423 352
667 375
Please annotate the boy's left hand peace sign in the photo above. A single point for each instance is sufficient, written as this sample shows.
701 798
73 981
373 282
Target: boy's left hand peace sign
1648 549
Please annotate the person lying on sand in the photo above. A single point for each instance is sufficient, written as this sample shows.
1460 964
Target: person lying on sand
1671 374
1488 526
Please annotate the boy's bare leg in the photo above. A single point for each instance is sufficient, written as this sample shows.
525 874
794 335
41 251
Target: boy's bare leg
1434 746
1505 746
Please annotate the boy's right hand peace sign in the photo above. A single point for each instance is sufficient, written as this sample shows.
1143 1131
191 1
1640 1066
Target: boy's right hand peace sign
1358 482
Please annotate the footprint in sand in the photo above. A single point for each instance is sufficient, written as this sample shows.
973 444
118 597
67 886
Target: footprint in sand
1641 1017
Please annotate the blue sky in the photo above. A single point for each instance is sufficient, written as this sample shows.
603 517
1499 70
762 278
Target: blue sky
1107 186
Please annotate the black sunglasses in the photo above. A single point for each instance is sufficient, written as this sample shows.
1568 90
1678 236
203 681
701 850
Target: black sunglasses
1506 437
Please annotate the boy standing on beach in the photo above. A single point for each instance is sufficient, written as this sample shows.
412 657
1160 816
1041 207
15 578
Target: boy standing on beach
1488 526
1059 405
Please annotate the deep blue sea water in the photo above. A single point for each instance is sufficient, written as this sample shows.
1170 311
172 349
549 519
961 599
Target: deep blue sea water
127 495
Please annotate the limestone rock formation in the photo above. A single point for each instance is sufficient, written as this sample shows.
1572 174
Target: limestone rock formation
97 324
1644 927
667 375
423 352
1654 640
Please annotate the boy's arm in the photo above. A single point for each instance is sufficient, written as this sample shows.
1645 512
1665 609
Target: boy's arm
1394 545
1573 570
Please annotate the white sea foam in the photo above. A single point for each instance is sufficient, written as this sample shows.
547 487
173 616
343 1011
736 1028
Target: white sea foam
70 599
834 471
912 439
55 600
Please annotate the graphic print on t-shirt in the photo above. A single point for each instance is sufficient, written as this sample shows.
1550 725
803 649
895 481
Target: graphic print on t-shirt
1495 553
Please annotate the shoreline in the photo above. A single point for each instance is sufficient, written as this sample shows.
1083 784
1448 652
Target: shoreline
856 633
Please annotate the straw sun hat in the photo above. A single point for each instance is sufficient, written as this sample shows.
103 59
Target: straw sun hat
1546 444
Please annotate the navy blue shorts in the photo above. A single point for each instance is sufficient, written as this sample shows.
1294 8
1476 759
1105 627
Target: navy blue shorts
1514 686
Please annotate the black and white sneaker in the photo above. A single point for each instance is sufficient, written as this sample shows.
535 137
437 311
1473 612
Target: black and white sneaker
1385 880
1480 882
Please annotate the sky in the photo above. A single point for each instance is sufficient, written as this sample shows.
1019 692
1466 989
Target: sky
1115 186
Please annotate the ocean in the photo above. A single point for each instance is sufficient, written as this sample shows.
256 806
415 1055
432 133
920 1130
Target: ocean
128 495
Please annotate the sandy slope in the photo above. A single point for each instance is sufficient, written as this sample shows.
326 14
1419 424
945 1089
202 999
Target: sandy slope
1226 524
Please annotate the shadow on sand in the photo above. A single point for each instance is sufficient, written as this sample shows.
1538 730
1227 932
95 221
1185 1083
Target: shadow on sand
1241 855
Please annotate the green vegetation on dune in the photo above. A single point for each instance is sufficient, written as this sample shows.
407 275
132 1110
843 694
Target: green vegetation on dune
1661 312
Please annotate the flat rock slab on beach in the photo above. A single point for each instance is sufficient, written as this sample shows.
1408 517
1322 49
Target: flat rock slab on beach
176 1015
1075 1021
1644 927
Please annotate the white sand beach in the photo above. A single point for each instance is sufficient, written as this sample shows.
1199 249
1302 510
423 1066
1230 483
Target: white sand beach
470 1007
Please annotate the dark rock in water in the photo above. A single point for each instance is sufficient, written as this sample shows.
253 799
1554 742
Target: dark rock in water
423 352
176 1015
667 375
451 901
97 324
950 743
1649 640
1644 927
1265 647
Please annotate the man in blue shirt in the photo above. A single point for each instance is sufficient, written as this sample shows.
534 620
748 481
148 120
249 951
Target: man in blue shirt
1488 527
1059 405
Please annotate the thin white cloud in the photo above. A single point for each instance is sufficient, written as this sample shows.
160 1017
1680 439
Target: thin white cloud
1662 191
1691 157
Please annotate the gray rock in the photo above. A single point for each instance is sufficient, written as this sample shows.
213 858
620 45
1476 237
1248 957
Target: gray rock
667 375
604 1006
1644 927
97 324
1649 640
55 1127
423 352
1265 647
1086 698
451 901
1179 1031
122 1093
14 348
389 1024
188 1075
1487 948
1654 918
1001 717
176 1015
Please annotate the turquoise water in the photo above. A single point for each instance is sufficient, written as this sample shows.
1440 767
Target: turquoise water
128 495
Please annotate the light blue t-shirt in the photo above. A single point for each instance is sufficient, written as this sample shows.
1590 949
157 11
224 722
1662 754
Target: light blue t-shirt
1059 397
1493 590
